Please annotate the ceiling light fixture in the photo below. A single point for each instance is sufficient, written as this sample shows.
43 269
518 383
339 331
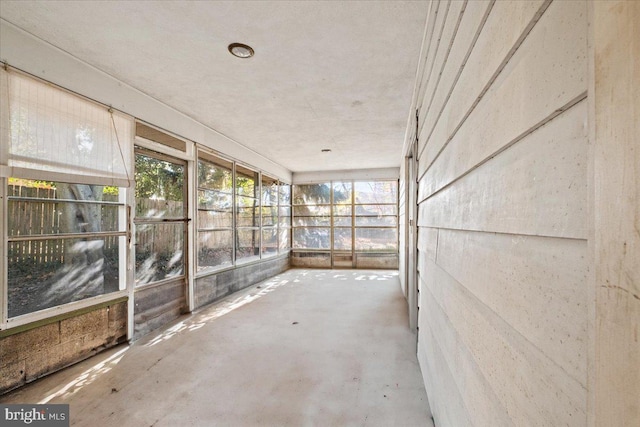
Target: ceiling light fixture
241 50
326 150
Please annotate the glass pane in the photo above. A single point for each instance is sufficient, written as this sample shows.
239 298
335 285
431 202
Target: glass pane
311 238
376 239
285 194
342 210
48 273
246 182
160 188
269 191
248 244
248 217
312 215
284 216
376 210
312 210
377 221
208 199
214 219
215 175
310 221
284 239
269 241
342 215
342 221
270 216
215 248
374 192
311 194
54 214
342 192
246 201
159 252
342 239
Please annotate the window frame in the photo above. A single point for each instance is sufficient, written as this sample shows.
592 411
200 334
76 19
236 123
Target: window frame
206 156
161 154
259 228
273 227
286 228
123 232
124 219
332 206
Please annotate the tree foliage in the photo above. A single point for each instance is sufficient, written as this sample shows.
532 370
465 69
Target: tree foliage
158 179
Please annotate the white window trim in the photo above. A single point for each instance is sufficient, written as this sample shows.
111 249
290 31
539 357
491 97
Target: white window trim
24 319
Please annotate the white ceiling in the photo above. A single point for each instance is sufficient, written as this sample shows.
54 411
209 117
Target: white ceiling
335 75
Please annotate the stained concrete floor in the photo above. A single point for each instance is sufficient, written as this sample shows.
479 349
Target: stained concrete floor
305 348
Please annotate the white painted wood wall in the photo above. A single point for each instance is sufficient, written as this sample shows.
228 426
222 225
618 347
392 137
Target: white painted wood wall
507 212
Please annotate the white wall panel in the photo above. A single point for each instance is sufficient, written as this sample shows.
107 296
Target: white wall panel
437 19
446 407
533 389
503 214
536 284
547 72
473 18
615 256
480 401
507 23
451 26
538 186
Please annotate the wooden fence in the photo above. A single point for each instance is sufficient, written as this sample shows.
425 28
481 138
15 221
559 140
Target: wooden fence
43 217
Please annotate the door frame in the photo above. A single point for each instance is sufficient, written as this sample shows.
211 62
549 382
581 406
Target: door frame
411 235
162 152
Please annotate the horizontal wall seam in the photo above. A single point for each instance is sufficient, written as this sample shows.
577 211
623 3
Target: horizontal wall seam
446 58
460 70
482 377
421 80
497 319
557 112
493 78
438 346
435 53
505 233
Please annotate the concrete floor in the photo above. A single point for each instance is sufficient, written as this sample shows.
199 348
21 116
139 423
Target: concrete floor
305 348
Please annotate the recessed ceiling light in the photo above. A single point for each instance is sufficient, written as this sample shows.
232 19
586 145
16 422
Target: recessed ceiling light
241 50
326 150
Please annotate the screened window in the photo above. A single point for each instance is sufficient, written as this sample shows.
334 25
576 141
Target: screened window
347 218
376 216
160 217
247 214
342 211
312 216
64 164
269 211
284 217
215 212
64 243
